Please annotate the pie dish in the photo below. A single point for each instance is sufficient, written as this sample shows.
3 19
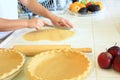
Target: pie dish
60 64
11 63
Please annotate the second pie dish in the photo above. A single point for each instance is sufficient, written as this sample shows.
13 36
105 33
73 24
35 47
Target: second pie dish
62 64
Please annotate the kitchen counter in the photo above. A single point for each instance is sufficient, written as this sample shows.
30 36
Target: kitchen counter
98 31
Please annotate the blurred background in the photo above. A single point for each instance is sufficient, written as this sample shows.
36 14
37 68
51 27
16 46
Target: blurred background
51 5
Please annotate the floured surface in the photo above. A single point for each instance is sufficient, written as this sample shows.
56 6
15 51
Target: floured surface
48 34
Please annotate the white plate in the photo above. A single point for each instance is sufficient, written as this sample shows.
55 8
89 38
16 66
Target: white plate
88 14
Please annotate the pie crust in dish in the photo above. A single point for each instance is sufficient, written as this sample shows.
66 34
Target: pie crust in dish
11 62
59 64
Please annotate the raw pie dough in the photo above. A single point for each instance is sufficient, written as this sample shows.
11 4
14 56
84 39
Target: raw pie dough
59 65
48 34
10 62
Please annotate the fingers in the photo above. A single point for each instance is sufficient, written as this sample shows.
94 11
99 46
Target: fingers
40 24
65 23
70 24
46 23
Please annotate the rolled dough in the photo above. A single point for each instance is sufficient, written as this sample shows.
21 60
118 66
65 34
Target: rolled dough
48 34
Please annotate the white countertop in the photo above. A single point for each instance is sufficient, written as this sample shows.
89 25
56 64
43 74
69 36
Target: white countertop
99 31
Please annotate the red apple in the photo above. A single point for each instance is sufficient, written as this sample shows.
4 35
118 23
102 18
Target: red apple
114 51
89 3
105 60
116 63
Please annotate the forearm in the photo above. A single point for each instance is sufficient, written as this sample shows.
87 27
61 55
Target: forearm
37 8
7 25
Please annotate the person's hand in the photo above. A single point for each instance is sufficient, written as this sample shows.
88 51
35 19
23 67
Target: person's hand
36 23
59 21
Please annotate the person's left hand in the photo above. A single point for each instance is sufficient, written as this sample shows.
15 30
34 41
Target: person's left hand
59 21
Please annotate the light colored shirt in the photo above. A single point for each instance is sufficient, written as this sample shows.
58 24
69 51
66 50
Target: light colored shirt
8 10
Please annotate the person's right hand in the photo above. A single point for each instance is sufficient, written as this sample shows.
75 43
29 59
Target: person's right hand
36 23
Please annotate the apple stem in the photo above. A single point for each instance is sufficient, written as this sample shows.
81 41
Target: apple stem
115 44
106 49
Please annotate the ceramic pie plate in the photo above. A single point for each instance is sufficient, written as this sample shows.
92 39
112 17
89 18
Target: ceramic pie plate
11 63
61 64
